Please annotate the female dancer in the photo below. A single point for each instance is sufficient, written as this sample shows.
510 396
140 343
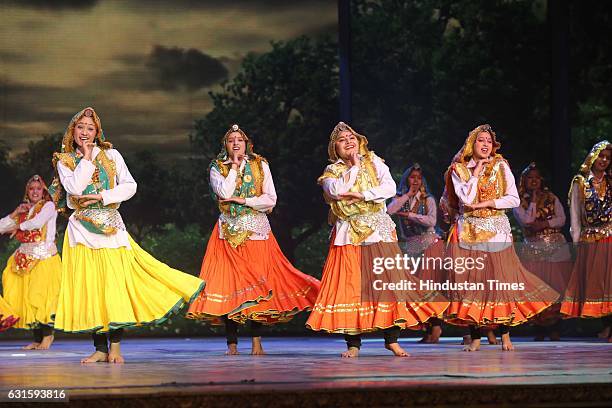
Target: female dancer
589 291
480 184
247 276
108 282
416 208
545 251
31 279
355 186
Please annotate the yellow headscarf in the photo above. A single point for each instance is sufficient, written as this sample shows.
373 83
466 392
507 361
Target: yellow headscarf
463 156
68 139
339 128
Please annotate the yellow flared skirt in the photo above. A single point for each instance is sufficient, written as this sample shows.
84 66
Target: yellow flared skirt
8 318
33 296
112 288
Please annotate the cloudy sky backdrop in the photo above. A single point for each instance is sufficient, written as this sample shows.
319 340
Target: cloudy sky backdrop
145 65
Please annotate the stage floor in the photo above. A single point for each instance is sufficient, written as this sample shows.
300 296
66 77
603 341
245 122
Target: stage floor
180 367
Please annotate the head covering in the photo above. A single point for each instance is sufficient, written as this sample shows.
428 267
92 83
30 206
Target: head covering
467 151
36 179
585 168
404 185
339 128
524 195
68 145
224 154
463 156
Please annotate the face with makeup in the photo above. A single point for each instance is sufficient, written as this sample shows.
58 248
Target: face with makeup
533 180
602 162
84 131
235 144
346 144
483 146
35 192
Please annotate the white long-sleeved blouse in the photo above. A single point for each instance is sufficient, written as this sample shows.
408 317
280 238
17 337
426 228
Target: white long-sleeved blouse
75 182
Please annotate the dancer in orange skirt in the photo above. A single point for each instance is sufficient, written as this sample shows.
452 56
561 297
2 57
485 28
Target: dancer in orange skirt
545 251
589 292
416 209
356 185
496 288
247 276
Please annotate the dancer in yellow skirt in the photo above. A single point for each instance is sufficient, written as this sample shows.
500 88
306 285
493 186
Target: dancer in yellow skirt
31 279
108 281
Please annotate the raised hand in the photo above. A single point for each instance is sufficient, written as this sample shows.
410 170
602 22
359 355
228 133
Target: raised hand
236 158
479 166
87 150
354 159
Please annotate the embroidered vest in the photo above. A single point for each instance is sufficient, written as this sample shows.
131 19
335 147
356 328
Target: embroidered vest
366 180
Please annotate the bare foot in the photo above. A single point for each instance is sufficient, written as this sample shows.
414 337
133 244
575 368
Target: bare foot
610 339
397 350
31 346
474 345
506 343
426 339
467 339
555 336
114 356
352 352
605 333
232 350
96 357
256 348
436 332
46 343
491 337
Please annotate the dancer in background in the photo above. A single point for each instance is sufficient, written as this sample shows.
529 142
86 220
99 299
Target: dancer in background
545 251
480 184
31 279
248 278
108 282
416 210
589 291
356 185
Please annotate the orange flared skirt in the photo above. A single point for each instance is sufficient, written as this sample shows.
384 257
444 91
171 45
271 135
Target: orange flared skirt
486 299
589 289
254 281
348 303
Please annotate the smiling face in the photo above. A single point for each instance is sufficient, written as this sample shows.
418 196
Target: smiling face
483 146
603 160
35 192
235 143
84 131
346 144
533 180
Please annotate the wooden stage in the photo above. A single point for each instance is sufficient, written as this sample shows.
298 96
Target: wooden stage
307 371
